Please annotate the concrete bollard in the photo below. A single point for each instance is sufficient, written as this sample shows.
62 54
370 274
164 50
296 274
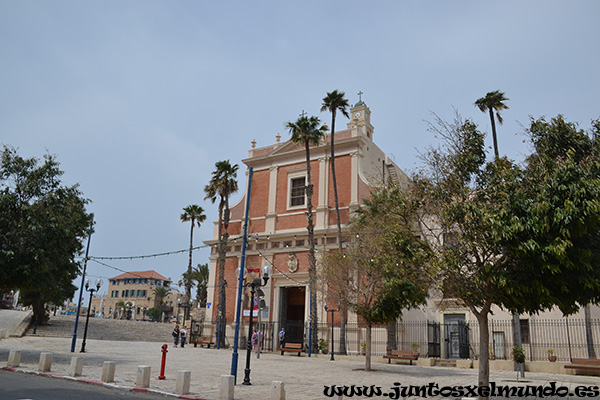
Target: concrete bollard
45 362
142 379
14 359
226 387
3 333
182 385
277 390
108 371
76 368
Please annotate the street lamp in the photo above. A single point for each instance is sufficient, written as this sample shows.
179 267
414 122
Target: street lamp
87 318
254 286
332 348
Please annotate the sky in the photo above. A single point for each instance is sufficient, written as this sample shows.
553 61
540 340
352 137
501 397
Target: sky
139 99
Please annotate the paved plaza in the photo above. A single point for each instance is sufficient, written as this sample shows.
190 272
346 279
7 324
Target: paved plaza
304 377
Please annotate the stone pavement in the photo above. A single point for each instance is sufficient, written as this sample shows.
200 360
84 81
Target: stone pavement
304 378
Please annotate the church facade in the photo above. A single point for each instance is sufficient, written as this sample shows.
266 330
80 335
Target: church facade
277 221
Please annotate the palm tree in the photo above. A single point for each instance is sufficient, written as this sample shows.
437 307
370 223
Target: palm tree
493 101
198 278
335 101
160 294
222 184
195 214
307 131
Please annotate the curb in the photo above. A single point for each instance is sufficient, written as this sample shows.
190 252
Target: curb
108 385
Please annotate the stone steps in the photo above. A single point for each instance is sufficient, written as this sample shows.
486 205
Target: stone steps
106 329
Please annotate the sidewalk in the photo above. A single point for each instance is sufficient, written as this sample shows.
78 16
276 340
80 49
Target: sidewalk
304 378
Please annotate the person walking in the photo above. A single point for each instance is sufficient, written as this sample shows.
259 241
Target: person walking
282 338
175 335
255 341
183 336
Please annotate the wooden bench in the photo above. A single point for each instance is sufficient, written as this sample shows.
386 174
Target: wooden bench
203 341
584 364
401 355
292 347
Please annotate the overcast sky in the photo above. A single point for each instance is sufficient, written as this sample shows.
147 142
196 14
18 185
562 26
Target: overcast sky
139 99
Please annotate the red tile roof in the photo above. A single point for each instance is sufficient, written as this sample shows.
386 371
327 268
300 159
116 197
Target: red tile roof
141 274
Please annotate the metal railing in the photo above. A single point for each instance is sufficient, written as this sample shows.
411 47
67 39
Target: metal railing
568 338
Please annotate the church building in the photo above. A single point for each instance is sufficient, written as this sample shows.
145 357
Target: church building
277 220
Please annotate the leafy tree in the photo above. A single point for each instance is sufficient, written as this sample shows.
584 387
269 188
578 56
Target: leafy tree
43 224
222 185
387 267
493 101
306 131
524 238
155 313
334 102
195 214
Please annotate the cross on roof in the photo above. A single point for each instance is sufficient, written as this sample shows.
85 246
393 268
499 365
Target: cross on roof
360 93
303 113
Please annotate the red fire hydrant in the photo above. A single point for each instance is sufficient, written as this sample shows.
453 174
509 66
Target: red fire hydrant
163 362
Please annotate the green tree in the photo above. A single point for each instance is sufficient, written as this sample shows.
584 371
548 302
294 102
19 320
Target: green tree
387 267
154 313
160 294
524 238
195 214
334 102
43 224
493 101
222 185
306 131
199 279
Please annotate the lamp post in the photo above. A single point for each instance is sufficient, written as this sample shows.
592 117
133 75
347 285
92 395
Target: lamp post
87 318
254 286
332 348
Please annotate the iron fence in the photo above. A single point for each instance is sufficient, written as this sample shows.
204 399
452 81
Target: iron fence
568 338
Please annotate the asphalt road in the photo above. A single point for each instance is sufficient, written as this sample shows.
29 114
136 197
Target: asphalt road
19 386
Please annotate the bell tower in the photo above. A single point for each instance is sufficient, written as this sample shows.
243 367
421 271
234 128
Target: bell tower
360 119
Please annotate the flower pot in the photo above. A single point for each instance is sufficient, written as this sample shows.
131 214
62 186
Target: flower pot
416 355
552 358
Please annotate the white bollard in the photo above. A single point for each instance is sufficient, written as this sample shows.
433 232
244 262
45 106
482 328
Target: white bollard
76 368
226 387
45 362
14 359
182 384
142 379
277 390
108 371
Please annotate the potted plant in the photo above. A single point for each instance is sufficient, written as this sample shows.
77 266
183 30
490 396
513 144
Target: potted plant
363 348
415 349
323 346
492 355
551 356
518 355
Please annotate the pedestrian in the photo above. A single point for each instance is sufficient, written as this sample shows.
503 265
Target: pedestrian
183 336
175 335
255 341
282 337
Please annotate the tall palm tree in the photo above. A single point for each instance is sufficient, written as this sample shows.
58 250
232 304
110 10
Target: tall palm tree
334 102
493 101
195 214
306 131
222 185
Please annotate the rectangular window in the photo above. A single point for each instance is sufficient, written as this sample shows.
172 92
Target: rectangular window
275 245
299 243
524 331
297 191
